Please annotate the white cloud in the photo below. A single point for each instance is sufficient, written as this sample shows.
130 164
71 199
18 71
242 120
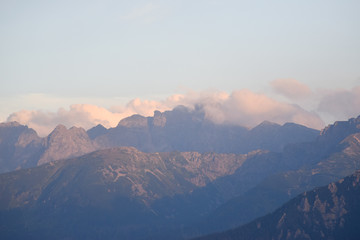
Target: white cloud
291 88
242 107
340 104
247 108
80 115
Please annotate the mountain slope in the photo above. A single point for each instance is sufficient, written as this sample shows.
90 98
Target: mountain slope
330 212
107 193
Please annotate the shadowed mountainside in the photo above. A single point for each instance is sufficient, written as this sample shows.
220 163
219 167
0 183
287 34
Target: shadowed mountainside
329 212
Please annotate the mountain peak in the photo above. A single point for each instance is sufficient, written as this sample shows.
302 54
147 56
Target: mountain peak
135 120
59 128
266 125
63 143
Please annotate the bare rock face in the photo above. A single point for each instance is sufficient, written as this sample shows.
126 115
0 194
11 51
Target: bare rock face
135 121
146 172
20 146
209 166
353 144
64 143
159 119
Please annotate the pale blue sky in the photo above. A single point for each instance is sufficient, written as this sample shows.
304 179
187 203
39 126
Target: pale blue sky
92 50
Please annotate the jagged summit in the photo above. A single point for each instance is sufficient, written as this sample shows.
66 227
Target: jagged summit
63 143
61 133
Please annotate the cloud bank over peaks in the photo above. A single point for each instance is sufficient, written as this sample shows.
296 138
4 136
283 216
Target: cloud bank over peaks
79 115
246 108
242 107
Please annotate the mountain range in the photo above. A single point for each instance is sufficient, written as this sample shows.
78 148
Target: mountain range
177 176
181 129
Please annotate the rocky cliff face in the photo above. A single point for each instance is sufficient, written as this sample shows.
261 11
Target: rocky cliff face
64 143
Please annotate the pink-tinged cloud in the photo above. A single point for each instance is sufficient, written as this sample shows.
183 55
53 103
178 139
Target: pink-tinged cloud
79 115
341 104
249 109
291 88
87 115
241 107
